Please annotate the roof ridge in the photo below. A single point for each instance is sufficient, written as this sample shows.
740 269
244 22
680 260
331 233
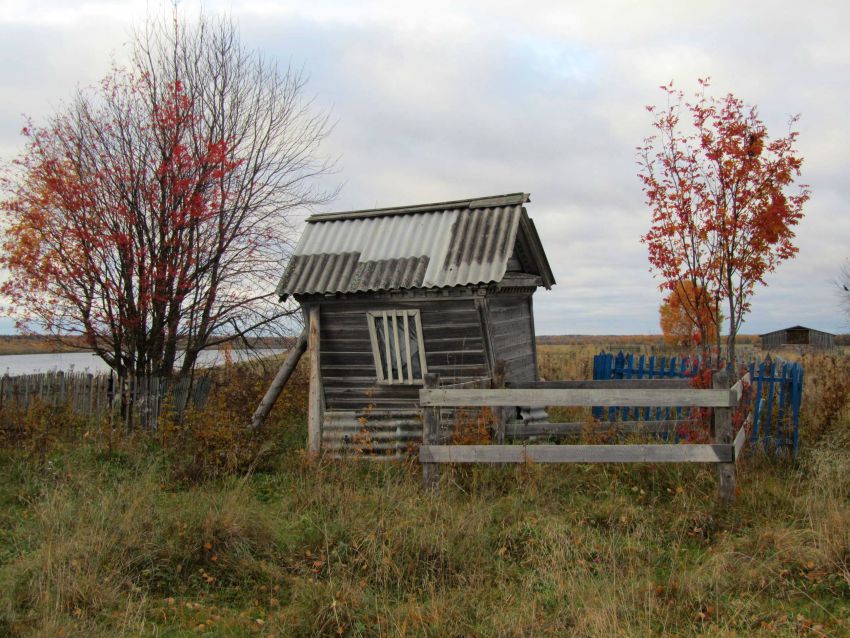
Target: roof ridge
510 199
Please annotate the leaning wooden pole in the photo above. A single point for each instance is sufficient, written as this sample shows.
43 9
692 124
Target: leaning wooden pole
279 382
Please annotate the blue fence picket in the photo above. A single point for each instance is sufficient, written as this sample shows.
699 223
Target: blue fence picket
769 421
783 384
796 401
773 385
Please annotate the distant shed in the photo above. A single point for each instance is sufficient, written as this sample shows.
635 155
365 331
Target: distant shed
798 336
393 293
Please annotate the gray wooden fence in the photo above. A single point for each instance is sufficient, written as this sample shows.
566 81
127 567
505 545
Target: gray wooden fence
131 401
723 451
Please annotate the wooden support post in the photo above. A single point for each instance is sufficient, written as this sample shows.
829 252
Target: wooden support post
316 402
430 435
723 435
282 376
499 413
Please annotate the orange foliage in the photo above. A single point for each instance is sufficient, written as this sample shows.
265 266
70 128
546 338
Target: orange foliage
688 318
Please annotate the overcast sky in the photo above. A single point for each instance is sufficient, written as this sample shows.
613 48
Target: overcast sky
446 100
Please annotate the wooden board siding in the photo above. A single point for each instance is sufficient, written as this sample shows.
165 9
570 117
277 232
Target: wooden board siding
513 336
451 332
798 336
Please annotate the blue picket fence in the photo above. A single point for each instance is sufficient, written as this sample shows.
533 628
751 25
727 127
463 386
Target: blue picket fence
777 394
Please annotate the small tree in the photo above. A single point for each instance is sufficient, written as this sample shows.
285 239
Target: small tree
152 214
718 188
684 324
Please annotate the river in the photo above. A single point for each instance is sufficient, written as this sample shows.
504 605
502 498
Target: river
14 364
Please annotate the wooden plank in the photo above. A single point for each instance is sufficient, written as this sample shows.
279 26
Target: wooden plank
406 342
460 369
507 312
661 453
396 390
740 440
423 366
737 390
580 397
378 403
388 358
450 331
430 434
511 329
483 307
723 435
467 357
614 384
395 341
332 309
771 389
516 429
534 365
517 347
780 422
315 399
499 414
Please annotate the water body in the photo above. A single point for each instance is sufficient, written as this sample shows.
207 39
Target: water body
14 364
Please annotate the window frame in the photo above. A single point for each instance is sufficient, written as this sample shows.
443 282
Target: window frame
394 319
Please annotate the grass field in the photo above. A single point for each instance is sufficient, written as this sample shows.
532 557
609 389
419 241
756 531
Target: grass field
205 530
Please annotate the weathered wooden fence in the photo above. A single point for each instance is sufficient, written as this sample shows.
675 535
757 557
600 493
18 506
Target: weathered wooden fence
131 401
776 398
724 451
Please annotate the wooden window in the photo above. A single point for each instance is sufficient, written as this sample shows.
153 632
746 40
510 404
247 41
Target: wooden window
397 346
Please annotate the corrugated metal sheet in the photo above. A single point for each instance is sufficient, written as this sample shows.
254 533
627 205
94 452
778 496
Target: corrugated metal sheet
429 246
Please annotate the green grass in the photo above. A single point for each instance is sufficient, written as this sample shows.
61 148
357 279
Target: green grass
99 543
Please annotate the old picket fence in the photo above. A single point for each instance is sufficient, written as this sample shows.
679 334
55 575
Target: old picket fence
777 394
129 402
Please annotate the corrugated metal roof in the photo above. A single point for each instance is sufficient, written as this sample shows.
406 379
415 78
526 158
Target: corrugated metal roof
426 246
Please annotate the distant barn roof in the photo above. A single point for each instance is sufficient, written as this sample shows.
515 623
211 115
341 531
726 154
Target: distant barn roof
453 243
794 328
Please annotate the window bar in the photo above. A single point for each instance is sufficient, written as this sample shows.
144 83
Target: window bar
397 351
407 348
388 351
373 334
419 339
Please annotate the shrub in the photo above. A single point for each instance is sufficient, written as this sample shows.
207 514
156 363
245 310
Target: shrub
215 441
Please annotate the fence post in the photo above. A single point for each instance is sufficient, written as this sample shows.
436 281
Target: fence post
430 434
723 435
316 406
499 414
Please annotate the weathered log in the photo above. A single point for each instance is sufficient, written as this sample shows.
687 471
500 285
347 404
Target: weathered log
315 397
280 379
723 435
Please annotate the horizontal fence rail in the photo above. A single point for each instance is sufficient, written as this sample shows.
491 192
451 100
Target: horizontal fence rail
692 453
540 398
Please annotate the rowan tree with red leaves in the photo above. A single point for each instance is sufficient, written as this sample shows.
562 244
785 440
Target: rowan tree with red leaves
722 198
151 214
